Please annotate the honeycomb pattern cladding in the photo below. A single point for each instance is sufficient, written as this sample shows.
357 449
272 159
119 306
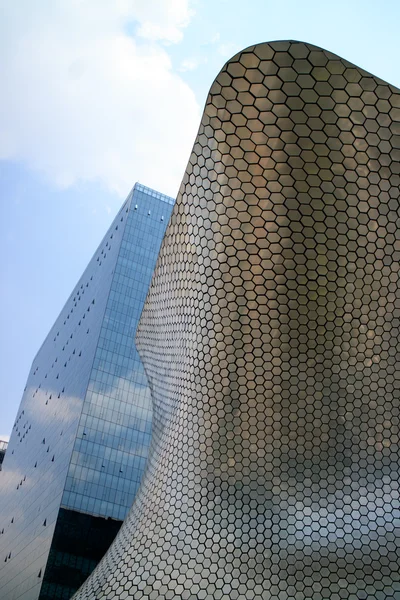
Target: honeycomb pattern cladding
270 338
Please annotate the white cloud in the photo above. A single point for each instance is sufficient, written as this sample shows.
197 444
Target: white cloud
162 19
189 64
215 38
88 91
227 50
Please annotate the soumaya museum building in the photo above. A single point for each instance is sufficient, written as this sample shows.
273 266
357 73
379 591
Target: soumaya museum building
270 344
81 437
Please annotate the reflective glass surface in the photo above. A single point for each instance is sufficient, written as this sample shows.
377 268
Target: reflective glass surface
82 432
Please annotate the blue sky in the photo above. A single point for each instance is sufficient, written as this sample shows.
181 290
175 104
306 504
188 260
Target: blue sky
97 95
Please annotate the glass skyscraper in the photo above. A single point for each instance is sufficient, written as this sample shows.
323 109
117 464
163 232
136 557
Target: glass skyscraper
81 437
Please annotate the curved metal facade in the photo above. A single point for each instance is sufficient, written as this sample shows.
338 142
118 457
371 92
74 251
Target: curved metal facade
270 338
